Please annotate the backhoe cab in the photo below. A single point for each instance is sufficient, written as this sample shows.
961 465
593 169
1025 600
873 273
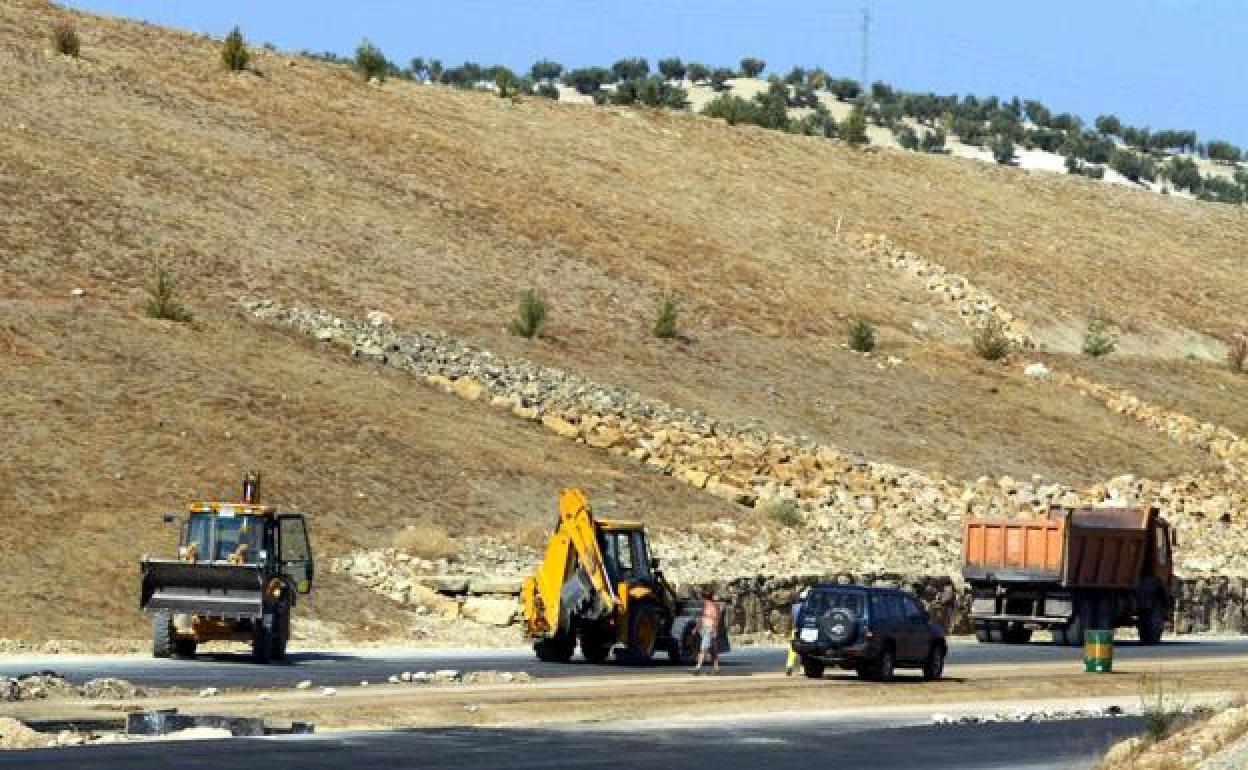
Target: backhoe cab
240 569
599 587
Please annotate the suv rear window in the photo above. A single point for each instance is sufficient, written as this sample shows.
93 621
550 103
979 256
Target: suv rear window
819 602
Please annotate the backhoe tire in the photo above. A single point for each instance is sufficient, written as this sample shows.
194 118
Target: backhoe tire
184 648
684 651
162 634
556 649
643 635
595 649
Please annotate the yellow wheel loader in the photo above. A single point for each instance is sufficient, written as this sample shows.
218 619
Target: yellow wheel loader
240 569
598 587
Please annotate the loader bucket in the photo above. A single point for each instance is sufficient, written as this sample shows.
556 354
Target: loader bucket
212 589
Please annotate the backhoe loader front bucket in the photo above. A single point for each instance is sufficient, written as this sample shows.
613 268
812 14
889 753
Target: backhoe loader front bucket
211 589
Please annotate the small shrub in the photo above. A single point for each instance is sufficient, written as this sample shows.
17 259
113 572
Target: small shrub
1237 352
533 313
990 342
371 62
65 39
430 542
666 325
861 336
1097 340
785 513
1003 150
234 54
548 90
505 83
162 301
854 129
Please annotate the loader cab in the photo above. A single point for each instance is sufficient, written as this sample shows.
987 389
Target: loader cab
246 534
625 552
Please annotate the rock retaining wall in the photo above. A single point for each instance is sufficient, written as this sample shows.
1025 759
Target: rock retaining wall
861 516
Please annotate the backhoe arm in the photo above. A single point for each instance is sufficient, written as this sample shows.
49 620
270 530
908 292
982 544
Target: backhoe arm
574 545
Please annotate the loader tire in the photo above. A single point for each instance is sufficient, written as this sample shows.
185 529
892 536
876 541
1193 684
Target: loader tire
281 633
556 649
184 648
162 634
643 635
261 642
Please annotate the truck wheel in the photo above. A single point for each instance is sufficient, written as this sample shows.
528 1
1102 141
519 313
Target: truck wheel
934 666
1017 633
1070 635
996 632
813 669
981 632
184 648
556 649
643 634
162 634
1152 620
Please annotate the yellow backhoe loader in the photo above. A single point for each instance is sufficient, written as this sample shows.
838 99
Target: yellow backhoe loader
598 586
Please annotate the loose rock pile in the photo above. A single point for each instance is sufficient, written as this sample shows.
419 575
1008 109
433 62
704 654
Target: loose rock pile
860 516
51 685
974 305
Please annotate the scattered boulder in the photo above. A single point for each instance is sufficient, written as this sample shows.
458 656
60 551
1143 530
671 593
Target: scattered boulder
491 612
111 689
16 735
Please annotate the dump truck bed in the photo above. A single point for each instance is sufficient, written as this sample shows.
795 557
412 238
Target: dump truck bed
1085 548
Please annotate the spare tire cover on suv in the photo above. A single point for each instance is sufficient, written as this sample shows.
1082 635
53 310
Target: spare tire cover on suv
837 626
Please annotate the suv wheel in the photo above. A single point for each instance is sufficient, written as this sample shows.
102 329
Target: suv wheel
934 666
812 668
880 669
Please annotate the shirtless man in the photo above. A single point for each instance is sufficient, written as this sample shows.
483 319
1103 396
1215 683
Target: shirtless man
709 628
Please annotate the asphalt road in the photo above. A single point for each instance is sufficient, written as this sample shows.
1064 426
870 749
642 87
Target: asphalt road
827 745
237 670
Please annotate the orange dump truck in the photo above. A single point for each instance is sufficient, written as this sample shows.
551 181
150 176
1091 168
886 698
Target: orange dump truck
1073 570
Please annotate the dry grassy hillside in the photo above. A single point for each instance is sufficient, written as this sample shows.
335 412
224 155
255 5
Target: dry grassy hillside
302 183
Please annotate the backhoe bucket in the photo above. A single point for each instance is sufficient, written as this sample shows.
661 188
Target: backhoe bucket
213 589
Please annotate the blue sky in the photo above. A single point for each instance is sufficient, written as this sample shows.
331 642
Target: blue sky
1160 63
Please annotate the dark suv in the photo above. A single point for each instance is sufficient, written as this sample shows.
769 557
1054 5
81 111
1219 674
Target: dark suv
868 630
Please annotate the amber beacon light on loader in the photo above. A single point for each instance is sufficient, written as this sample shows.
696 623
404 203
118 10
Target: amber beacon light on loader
598 587
240 569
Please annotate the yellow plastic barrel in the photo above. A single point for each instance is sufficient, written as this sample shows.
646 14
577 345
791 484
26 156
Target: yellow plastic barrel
1098 652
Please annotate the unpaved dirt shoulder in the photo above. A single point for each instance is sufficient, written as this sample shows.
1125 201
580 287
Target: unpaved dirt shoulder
572 700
